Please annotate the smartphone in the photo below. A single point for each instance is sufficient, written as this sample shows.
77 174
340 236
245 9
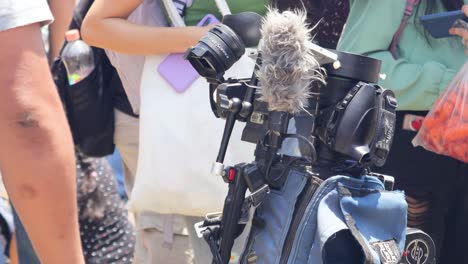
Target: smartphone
177 71
438 25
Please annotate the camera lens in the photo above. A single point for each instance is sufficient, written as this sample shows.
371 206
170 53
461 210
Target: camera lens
216 52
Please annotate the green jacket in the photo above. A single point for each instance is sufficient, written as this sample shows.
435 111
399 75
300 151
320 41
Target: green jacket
200 8
425 65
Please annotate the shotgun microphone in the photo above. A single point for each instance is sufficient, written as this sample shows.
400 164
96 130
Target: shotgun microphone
288 63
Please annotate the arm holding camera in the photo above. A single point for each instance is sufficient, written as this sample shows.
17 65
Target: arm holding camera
106 26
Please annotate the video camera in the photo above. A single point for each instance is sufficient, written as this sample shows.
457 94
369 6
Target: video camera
347 126
351 116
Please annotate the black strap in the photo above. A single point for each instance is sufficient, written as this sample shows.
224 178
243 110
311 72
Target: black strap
385 128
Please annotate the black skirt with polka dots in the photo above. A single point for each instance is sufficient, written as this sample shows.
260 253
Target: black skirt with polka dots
106 233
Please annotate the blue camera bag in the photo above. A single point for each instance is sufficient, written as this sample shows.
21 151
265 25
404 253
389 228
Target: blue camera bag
339 220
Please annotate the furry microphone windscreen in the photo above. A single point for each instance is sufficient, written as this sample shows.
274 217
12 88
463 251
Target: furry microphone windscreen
288 65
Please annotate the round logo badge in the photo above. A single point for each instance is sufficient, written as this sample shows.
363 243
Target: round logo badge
417 252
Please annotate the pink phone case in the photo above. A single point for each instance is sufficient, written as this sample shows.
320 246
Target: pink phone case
177 71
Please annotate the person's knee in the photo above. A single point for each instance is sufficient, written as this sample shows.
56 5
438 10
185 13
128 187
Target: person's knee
419 208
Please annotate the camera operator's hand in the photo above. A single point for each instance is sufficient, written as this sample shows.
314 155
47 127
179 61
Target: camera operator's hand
462 32
208 27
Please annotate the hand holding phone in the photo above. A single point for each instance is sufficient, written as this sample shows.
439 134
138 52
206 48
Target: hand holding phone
460 28
438 25
177 71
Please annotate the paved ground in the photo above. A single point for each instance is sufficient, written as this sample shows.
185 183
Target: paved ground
180 253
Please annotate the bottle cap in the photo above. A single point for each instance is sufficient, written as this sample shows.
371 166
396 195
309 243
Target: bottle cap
71 35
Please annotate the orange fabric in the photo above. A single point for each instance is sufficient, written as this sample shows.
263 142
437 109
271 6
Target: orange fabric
13 250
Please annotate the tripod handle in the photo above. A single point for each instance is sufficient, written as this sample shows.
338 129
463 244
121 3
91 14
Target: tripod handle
234 105
231 214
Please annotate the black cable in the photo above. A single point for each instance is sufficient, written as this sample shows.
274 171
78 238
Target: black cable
269 165
270 160
286 168
313 151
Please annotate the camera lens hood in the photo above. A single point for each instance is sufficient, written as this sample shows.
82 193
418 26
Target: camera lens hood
246 25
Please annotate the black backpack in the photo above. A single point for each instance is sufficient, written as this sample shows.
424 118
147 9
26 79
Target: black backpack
89 104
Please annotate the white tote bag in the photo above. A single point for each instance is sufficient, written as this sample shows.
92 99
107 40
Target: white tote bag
179 141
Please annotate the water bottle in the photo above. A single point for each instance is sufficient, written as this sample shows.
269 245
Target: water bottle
77 57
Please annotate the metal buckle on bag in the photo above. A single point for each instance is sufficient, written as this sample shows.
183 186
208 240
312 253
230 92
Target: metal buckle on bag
201 227
387 180
257 197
